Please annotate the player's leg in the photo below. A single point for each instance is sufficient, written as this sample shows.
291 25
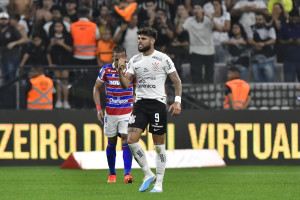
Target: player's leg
127 158
111 158
127 155
140 157
138 121
158 124
110 131
160 159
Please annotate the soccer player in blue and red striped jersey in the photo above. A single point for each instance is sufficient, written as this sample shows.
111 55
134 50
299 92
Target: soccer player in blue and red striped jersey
119 103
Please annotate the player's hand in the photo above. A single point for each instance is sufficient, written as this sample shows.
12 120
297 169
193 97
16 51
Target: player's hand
100 116
121 64
176 106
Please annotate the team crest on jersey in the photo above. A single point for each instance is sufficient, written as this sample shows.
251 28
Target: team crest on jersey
155 66
132 119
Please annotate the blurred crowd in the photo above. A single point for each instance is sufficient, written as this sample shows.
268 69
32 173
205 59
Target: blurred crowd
249 34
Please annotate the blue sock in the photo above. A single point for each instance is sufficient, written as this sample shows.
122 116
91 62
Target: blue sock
111 157
127 157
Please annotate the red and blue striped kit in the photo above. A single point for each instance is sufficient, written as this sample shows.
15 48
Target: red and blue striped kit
118 100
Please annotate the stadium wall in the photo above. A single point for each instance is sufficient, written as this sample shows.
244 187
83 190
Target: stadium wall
240 137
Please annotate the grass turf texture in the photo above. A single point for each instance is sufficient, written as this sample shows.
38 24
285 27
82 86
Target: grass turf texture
233 182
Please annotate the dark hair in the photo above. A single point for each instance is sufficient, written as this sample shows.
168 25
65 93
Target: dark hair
15 16
294 13
243 32
220 2
56 7
260 14
148 31
119 49
233 69
52 28
83 12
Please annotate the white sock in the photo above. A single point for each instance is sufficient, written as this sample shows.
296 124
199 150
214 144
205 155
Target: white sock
160 165
140 157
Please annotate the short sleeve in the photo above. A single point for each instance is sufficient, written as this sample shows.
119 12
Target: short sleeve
130 69
272 33
186 23
101 77
169 65
249 32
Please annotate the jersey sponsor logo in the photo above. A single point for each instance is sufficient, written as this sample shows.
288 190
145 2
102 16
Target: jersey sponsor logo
146 70
132 119
155 66
157 58
142 81
136 68
114 82
146 86
169 66
149 77
118 101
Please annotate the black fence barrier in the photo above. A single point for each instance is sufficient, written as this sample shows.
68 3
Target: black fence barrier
241 137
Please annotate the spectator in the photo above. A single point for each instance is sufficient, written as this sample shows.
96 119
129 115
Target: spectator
35 52
126 36
85 35
56 15
165 30
191 3
147 13
279 17
237 91
105 48
290 38
39 90
43 14
222 18
262 39
22 8
178 50
200 28
59 53
10 41
286 4
14 21
237 49
71 11
104 21
245 11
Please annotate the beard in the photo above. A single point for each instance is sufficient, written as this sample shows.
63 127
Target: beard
144 49
260 25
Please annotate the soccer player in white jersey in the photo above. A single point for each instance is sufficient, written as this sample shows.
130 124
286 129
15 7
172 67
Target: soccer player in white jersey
118 108
151 69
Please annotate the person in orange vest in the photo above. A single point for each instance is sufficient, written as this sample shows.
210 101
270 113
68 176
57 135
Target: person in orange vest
237 92
105 48
85 35
40 90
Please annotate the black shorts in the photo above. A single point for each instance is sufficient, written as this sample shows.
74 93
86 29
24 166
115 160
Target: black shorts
152 112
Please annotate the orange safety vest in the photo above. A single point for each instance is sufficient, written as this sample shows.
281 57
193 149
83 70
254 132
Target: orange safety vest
240 91
41 94
84 38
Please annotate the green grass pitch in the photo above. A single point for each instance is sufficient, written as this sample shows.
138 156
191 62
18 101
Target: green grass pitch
231 182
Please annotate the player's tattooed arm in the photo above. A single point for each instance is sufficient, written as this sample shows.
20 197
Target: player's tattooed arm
177 83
